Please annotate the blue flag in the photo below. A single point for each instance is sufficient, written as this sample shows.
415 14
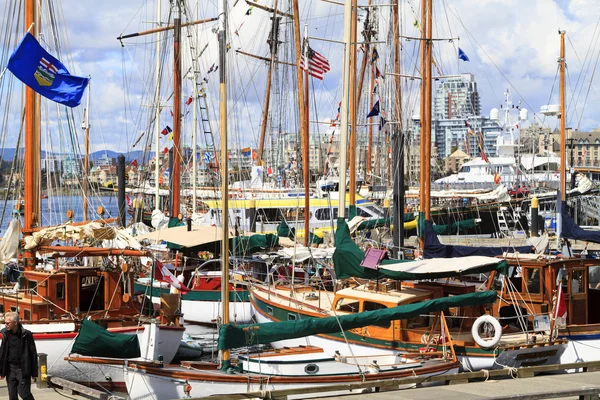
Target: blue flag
375 111
36 68
462 55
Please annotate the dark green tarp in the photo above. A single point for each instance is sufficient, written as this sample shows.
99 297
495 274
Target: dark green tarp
455 227
231 336
283 229
95 341
246 245
348 256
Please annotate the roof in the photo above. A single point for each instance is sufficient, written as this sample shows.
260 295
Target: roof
180 236
459 154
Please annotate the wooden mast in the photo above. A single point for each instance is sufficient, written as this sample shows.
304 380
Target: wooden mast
86 161
427 167
422 117
306 143
301 108
353 108
225 354
273 44
398 213
344 110
175 205
32 145
563 118
157 114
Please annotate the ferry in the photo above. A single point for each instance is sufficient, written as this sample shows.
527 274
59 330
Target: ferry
264 215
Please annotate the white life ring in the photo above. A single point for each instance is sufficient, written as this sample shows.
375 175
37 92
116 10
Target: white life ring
486 343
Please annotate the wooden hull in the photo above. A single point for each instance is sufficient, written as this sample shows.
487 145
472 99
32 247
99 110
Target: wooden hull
173 383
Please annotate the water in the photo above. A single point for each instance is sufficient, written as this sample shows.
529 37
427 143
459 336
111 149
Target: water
54 209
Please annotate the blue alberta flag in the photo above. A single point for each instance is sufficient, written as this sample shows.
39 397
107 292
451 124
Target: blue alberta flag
36 68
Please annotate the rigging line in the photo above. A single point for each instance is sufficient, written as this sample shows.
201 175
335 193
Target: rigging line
490 59
588 91
586 56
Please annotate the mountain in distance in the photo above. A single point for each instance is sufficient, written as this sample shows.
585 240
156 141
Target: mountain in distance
8 154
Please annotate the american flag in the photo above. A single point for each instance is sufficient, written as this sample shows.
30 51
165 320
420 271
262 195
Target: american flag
317 64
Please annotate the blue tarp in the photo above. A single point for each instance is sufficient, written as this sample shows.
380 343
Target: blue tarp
434 249
570 230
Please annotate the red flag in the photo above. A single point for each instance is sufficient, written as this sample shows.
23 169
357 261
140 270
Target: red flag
561 303
165 150
162 273
134 163
167 130
128 200
189 101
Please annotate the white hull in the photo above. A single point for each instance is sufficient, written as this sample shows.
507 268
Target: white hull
581 350
57 345
146 386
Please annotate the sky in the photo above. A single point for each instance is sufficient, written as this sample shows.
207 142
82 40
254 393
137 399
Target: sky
511 44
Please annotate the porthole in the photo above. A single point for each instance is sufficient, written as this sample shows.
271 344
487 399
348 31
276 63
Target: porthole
311 369
269 310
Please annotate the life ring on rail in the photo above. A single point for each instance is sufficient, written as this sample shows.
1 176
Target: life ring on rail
486 343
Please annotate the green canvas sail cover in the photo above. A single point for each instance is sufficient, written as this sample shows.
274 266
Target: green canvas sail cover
283 229
231 336
348 257
455 227
379 222
95 341
246 245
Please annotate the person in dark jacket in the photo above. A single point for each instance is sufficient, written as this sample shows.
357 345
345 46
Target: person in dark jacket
18 358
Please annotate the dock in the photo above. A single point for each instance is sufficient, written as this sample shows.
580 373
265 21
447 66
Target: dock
582 385
61 390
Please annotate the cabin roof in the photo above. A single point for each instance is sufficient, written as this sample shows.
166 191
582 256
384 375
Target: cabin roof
404 296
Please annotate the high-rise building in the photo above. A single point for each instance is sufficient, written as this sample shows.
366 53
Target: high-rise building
457 119
456 97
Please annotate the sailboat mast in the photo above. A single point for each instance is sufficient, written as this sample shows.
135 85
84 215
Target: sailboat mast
306 145
422 117
302 109
225 355
398 140
32 147
86 161
175 205
353 107
273 44
427 166
563 118
344 109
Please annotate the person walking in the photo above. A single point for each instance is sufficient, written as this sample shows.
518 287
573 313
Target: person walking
18 358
